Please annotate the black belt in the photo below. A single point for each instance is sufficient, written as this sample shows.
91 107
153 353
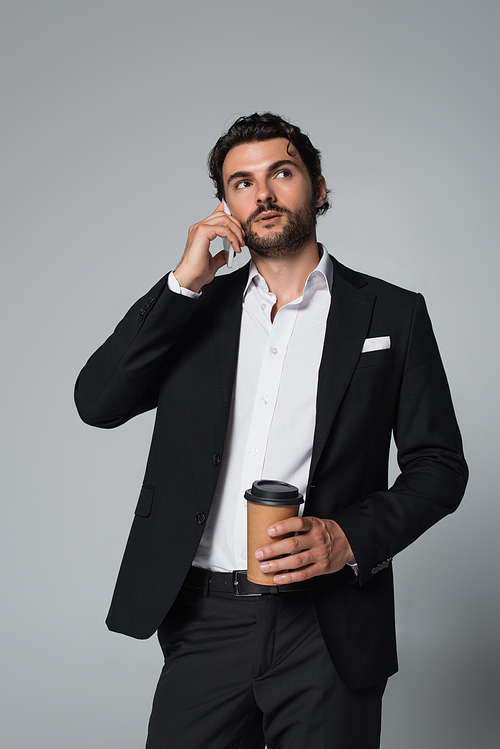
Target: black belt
234 582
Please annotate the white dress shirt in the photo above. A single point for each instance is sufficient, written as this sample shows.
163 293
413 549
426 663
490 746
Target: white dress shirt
273 413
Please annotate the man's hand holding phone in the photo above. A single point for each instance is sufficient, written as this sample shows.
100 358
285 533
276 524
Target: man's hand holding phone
198 266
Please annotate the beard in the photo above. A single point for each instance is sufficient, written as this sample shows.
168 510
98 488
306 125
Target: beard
290 239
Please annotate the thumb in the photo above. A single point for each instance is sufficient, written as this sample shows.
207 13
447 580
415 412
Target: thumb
219 260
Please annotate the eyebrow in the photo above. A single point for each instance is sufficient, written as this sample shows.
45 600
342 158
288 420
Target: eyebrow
270 168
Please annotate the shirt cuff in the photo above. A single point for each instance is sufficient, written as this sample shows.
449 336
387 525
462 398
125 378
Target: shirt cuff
173 285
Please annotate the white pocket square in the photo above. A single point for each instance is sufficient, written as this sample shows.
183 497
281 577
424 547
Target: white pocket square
375 344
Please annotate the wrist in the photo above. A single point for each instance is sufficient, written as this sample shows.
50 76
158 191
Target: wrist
339 533
186 281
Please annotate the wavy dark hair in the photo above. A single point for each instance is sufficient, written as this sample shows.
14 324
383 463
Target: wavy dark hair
254 128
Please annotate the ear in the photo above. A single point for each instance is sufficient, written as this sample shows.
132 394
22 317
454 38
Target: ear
321 191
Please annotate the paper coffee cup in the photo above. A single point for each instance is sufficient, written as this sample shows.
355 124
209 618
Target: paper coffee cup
267 502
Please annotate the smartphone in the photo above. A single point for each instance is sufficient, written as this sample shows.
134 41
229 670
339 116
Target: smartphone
226 244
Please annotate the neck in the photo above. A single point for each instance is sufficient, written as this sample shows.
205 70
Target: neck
286 277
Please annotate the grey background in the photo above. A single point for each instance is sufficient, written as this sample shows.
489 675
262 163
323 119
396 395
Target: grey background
108 111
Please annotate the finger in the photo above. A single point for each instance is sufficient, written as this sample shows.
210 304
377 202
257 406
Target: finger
217 220
284 547
239 225
285 578
291 525
219 259
236 242
295 562
235 226
211 231
285 575
218 215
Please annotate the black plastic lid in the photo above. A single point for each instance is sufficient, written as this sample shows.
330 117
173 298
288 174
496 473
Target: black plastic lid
268 492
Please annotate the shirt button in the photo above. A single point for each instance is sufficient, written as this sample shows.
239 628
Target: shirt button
243 555
265 401
200 518
274 351
215 459
254 451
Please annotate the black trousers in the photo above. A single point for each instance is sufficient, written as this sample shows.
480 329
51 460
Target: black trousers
242 673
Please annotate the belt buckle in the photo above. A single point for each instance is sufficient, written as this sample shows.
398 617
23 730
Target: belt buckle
236 587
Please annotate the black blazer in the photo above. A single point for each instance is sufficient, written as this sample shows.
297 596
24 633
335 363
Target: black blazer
179 355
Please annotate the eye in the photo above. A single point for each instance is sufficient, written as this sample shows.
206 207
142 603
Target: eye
243 183
283 173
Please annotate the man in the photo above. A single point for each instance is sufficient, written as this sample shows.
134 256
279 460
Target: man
293 368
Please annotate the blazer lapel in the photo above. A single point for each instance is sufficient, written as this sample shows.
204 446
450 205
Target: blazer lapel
347 326
227 318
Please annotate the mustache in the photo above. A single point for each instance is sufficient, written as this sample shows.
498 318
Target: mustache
265 209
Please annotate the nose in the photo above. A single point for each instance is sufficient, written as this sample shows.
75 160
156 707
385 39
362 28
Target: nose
265 193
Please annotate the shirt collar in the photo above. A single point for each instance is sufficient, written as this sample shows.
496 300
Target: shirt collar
324 268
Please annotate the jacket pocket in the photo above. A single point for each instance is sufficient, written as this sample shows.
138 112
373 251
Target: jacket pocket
377 358
145 501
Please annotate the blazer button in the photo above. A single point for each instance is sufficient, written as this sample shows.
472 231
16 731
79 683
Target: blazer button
215 459
200 518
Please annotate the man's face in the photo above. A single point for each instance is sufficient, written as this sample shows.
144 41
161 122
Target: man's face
268 188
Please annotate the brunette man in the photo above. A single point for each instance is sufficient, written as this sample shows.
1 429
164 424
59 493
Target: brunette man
292 368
